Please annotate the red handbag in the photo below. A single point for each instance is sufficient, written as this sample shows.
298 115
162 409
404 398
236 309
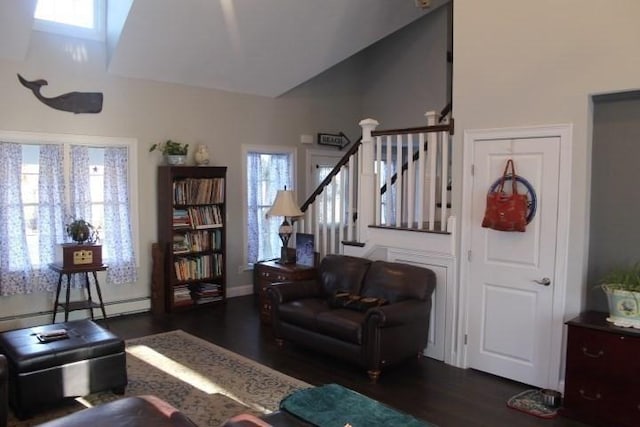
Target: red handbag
504 211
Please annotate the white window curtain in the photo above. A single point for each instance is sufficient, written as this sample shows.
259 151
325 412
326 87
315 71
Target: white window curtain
23 271
79 182
118 248
266 174
18 273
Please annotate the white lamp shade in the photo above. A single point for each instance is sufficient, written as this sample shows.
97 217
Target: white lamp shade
284 205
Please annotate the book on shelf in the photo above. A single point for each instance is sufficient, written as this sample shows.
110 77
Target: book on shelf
195 241
198 191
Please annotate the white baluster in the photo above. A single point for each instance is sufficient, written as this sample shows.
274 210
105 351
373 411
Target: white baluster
444 136
421 187
410 182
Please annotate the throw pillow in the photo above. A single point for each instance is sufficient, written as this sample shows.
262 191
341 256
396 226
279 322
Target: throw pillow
343 299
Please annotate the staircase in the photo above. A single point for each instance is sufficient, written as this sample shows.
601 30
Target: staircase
395 180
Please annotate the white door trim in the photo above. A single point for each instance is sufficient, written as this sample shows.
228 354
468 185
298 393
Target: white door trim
564 133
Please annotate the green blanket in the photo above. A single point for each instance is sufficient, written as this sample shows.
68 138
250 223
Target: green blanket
332 405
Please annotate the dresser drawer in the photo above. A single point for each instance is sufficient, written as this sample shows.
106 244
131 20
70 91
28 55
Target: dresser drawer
602 353
609 404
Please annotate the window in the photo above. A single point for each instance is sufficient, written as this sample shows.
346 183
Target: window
76 18
45 181
267 171
336 213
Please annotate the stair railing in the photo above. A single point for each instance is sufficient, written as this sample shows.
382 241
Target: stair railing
341 208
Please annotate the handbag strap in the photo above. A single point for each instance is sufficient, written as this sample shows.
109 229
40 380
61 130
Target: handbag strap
509 165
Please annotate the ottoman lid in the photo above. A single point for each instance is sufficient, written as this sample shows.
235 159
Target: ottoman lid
87 340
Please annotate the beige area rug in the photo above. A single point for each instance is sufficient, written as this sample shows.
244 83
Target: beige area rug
207 382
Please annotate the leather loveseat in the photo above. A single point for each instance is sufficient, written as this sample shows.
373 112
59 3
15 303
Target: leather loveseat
372 313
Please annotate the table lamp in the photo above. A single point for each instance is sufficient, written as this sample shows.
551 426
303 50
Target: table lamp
285 206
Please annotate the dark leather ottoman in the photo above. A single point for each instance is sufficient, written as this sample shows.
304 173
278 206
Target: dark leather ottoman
91 359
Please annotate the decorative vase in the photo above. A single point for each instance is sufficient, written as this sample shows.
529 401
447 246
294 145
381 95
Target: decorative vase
201 156
176 160
624 307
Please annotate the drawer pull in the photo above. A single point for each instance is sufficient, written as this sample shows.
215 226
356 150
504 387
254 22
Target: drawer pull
585 396
586 352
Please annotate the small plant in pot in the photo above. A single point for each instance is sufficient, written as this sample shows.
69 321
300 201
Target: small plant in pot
81 231
174 152
622 287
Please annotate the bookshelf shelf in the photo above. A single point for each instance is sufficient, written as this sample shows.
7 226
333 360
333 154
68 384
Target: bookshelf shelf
192 235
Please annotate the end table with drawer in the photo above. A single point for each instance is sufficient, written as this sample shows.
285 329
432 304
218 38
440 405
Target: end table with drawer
268 272
602 375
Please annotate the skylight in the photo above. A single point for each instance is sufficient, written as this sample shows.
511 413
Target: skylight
76 18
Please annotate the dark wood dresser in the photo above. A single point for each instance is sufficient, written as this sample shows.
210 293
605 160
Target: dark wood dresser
602 378
268 272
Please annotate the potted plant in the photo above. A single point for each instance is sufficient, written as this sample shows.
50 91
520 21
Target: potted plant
81 231
622 287
174 152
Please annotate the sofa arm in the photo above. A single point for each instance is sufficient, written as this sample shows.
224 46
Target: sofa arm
400 313
289 291
4 391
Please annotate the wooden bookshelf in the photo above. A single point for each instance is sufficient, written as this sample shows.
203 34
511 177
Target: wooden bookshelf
192 235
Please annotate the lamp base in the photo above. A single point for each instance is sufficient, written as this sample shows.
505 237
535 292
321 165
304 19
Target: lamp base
286 256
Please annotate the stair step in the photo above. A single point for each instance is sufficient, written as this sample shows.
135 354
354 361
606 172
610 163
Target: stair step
405 227
353 243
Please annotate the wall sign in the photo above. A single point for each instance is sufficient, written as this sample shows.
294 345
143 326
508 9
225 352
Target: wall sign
339 140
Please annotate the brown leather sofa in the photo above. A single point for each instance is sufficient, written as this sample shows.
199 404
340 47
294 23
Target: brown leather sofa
313 313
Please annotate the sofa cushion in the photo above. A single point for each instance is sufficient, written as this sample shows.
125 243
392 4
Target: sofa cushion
342 299
397 282
342 272
303 312
342 324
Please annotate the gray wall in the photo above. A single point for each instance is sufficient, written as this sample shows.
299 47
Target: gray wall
406 73
615 195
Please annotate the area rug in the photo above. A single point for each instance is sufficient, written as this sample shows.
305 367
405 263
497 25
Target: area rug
208 383
332 405
530 402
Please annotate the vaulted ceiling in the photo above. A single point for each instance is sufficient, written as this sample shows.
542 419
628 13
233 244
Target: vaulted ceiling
262 47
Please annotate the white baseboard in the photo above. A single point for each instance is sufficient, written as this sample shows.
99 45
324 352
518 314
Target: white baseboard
239 291
118 308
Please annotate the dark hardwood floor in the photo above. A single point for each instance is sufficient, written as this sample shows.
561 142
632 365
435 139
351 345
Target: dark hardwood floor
425 388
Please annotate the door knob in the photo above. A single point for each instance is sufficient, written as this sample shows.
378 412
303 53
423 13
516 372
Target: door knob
544 282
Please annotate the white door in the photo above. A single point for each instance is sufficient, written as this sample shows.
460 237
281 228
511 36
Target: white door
511 274
319 165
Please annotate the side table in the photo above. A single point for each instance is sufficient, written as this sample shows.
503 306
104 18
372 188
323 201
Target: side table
87 304
267 272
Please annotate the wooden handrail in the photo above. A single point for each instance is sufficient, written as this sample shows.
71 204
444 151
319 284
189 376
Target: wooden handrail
448 127
343 161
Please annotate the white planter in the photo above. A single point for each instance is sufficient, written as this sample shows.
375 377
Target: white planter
176 160
624 307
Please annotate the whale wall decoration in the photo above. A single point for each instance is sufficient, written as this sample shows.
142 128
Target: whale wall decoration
74 102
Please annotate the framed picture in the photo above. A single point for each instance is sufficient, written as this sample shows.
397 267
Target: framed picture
305 254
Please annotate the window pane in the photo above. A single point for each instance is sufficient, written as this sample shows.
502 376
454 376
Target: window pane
79 13
266 174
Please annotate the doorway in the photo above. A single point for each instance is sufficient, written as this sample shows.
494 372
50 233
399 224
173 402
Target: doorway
514 283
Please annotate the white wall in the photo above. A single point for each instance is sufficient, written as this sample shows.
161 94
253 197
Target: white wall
533 63
153 112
